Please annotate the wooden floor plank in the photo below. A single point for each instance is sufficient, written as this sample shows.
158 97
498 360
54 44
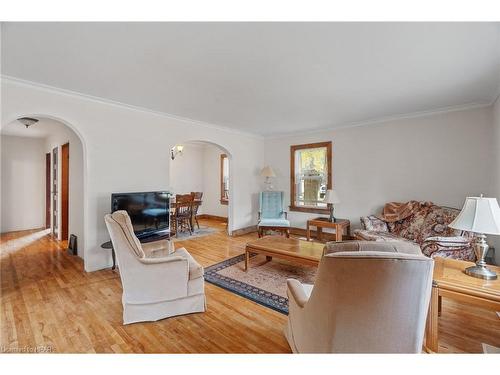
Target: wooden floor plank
47 299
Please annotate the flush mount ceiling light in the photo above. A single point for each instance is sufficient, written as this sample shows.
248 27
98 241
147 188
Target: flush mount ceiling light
27 121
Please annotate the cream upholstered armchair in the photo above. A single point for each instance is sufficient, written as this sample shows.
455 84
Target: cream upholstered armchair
157 281
362 302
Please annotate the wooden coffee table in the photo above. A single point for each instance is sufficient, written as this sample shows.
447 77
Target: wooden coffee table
292 249
450 281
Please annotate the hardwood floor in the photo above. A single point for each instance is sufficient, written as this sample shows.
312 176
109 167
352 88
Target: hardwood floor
48 301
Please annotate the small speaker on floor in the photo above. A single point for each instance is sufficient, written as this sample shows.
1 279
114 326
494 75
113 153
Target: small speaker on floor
72 245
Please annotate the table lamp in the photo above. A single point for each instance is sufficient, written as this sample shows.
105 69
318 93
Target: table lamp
268 173
481 216
331 198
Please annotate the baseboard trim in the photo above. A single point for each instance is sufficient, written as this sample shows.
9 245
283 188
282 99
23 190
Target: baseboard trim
242 231
213 217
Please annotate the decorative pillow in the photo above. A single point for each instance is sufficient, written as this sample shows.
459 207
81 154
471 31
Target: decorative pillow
373 223
436 222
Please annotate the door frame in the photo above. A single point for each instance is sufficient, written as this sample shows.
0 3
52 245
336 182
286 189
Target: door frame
64 163
47 190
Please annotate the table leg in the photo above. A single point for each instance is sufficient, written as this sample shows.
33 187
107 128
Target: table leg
308 232
431 332
247 258
319 231
114 258
338 233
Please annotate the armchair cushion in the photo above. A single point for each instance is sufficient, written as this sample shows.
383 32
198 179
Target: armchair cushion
158 248
274 223
401 246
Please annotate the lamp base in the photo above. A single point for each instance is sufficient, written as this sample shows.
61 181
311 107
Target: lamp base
481 272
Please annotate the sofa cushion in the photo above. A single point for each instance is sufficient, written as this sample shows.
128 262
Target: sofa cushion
436 223
373 223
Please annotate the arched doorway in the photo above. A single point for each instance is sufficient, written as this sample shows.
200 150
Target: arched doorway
206 167
43 178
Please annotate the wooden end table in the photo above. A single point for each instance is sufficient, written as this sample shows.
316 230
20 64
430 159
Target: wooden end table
292 249
450 281
322 222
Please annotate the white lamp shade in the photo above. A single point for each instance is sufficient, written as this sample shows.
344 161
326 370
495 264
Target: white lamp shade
267 172
332 197
479 215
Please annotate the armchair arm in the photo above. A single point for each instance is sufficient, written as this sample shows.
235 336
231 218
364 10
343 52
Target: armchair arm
296 291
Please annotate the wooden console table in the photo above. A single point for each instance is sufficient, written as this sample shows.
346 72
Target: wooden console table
450 281
322 222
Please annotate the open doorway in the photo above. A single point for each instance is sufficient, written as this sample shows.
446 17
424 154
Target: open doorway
42 178
202 168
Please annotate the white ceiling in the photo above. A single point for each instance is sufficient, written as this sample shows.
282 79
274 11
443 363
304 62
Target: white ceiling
42 129
264 78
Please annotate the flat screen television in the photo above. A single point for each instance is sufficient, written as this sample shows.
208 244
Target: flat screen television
148 211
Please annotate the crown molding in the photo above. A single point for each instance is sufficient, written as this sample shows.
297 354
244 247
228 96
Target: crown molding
100 100
384 119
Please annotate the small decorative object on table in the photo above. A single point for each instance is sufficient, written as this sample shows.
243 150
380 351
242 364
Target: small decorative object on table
268 173
331 198
481 216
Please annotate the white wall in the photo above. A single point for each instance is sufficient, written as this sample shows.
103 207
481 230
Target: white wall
198 169
186 174
441 158
211 178
23 183
127 149
59 135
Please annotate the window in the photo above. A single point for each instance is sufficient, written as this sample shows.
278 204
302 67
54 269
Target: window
224 179
311 176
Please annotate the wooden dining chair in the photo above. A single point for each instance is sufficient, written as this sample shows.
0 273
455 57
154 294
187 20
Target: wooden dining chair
197 195
183 213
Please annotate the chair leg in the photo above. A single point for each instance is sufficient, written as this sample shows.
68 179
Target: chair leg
197 224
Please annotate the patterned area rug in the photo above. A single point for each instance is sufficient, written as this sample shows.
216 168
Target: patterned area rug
203 231
264 283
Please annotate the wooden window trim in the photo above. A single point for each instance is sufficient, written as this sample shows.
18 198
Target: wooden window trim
294 148
223 200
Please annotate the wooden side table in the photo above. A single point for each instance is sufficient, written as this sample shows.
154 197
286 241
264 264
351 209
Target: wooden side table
322 222
450 281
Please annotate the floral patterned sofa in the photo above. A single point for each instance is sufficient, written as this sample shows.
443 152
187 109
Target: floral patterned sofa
428 227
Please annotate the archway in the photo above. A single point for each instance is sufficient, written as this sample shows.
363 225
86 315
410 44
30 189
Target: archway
204 166
55 146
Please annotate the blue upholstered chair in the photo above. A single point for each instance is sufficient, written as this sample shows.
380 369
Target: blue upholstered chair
272 215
